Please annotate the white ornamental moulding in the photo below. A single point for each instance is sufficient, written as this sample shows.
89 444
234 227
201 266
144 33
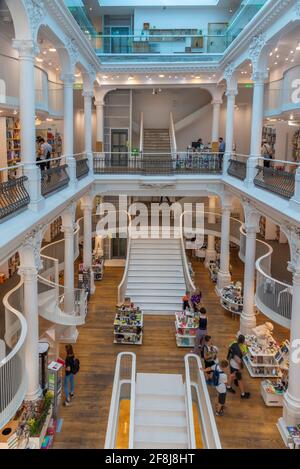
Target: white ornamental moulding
255 48
36 14
296 15
72 49
26 48
33 241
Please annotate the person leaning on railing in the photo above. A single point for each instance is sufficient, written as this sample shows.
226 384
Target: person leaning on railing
266 152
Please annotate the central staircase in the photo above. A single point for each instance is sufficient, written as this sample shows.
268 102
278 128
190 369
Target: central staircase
160 412
155 279
157 151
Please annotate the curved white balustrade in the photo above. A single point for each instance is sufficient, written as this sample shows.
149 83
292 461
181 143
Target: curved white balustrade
13 380
53 297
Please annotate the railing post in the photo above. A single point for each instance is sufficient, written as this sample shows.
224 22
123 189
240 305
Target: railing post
295 200
71 162
252 163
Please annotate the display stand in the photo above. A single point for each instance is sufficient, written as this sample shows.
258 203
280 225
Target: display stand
260 361
128 325
186 325
271 394
232 299
84 279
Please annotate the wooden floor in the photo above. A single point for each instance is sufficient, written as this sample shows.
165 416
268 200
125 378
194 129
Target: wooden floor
246 424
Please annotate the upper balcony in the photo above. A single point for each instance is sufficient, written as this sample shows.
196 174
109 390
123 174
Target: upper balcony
173 32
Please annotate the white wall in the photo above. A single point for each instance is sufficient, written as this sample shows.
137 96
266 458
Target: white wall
188 18
156 108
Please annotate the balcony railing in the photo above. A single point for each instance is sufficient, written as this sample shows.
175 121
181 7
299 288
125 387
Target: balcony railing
238 167
82 167
158 163
155 46
54 175
13 193
276 176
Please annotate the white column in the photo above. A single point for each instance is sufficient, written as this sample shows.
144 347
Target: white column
27 50
87 95
68 138
248 318
216 103
224 277
87 207
29 265
99 124
231 94
210 254
256 125
69 268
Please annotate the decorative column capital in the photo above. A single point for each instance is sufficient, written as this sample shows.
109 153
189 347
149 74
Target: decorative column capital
31 247
27 48
259 77
68 79
231 93
217 102
36 13
257 44
252 217
99 103
28 273
68 231
88 94
68 217
71 46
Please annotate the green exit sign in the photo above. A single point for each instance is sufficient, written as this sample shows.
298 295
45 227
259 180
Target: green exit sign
248 85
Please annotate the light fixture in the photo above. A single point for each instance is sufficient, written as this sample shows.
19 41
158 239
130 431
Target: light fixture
275 63
161 76
52 49
118 76
170 76
292 51
293 60
77 75
104 77
38 122
198 77
15 112
44 52
276 49
50 63
57 69
49 119
277 56
271 53
38 59
1 112
298 46
130 77
291 117
286 59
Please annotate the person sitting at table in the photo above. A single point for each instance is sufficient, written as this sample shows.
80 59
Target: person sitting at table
200 145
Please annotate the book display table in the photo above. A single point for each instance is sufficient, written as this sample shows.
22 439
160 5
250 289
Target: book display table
186 325
128 325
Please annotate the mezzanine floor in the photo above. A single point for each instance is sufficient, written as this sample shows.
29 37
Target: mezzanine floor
247 424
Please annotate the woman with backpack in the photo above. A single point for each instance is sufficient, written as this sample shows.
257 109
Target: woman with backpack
71 368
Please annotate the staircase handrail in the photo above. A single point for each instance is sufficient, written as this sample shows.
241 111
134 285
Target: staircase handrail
189 408
119 379
187 276
141 133
172 133
13 376
208 425
123 283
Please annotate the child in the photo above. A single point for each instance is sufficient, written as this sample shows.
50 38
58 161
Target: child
186 301
220 377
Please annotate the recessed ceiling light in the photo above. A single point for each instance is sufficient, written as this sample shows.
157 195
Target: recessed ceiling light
52 49
118 76
286 58
292 52
293 60
39 60
49 119
176 77
50 63
130 77
77 75
277 56
104 77
57 69
214 75
276 49
198 77
298 46
161 76
170 76
1 112
275 63
44 52
271 53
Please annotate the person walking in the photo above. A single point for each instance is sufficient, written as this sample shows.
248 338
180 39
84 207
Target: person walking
219 381
266 152
235 357
210 355
45 154
222 147
71 368
201 332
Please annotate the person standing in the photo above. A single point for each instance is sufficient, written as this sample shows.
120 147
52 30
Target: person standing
71 368
45 154
210 355
222 147
235 357
266 152
201 332
220 378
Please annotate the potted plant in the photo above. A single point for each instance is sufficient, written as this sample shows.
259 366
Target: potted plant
39 421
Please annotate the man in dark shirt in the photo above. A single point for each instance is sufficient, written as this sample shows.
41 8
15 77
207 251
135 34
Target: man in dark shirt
235 357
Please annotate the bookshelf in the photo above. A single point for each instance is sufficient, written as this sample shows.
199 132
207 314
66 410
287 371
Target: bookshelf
13 140
269 134
296 145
